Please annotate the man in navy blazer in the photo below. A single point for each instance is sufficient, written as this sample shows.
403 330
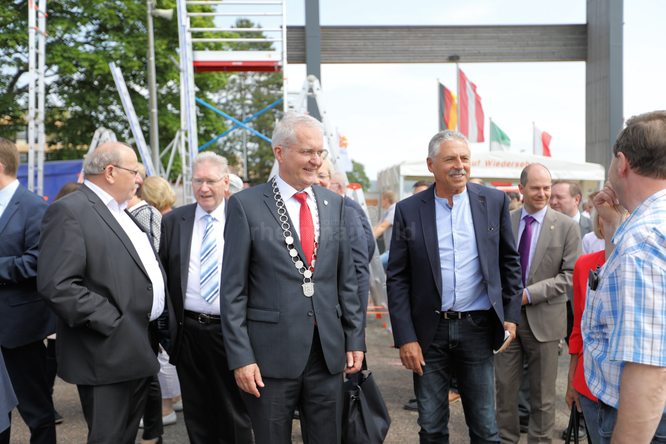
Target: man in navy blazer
454 288
25 320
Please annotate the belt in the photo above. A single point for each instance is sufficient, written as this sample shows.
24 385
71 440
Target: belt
459 314
203 318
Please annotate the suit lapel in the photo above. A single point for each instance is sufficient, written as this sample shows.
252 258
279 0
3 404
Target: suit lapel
546 235
186 227
269 201
324 216
477 204
111 221
515 224
429 228
12 206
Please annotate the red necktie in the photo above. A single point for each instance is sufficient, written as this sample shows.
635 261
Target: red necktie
307 227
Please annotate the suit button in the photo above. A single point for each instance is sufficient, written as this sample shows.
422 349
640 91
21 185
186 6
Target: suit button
438 312
310 313
148 315
150 287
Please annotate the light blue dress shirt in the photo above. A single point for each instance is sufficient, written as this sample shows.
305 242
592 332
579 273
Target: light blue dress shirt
6 195
462 281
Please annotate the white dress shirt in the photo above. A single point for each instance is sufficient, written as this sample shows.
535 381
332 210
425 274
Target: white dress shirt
142 245
6 195
294 206
193 299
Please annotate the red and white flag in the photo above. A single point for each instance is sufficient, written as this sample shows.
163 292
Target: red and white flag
470 117
541 142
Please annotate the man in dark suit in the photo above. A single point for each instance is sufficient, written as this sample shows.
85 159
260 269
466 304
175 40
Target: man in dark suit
291 318
25 320
549 245
453 290
212 405
100 274
358 236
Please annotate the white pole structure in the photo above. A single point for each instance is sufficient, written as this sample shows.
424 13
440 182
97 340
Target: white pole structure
32 56
285 91
41 90
152 90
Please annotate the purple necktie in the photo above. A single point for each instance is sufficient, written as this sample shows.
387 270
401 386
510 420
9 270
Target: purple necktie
524 247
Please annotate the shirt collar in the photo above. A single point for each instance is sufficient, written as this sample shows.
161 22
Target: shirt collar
577 217
538 216
637 214
106 197
217 213
7 193
287 191
456 197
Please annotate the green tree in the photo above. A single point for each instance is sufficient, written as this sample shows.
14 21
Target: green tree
251 91
357 175
83 37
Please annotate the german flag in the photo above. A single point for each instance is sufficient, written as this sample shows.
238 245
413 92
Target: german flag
448 109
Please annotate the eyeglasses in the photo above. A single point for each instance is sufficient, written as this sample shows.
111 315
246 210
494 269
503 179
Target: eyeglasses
210 182
323 176
311 153
134 172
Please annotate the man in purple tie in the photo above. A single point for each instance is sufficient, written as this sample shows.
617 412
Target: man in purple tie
549 245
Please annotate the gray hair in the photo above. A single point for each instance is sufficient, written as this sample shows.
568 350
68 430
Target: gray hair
95 162
441 137
285 130
235 184
212 158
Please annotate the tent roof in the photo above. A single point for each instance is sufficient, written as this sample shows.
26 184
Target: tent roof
505 165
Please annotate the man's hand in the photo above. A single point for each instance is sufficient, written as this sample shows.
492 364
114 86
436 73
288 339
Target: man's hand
525 301
354 361
248 378
511 328
608 206
412 357
572 394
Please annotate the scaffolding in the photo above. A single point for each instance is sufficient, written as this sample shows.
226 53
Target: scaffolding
37 67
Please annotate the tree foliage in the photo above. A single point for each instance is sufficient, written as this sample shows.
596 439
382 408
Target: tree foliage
83 37
357 175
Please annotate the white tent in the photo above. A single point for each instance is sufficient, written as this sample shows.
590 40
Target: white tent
496 166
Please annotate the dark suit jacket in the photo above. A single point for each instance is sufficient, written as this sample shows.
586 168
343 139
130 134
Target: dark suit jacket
358 242
92 277
369 236
24 317
175 244
266 319
414 280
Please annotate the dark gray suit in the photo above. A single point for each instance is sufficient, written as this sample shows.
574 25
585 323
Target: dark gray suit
92 277
267 320
585 225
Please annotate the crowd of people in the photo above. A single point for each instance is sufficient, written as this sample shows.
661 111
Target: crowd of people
248 306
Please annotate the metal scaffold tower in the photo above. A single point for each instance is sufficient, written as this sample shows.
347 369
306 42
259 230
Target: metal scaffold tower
215 60
36 26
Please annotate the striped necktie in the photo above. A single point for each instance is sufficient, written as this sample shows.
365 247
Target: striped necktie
210 282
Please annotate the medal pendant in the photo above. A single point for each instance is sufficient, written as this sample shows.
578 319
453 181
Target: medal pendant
308 289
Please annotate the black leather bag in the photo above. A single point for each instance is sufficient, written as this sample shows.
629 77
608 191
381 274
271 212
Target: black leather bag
365 419
574 422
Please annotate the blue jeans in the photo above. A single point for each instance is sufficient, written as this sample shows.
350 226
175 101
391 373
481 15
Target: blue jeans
591 415
464 345
608 419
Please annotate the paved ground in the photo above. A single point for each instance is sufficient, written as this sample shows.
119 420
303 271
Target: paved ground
394 381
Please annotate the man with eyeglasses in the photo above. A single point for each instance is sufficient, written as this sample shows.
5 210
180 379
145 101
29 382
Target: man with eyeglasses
291 319
191 251
100 274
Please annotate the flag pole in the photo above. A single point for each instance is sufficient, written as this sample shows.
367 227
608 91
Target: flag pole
490 139
533 138
439 99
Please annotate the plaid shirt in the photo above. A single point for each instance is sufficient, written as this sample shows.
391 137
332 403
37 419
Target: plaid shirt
625 318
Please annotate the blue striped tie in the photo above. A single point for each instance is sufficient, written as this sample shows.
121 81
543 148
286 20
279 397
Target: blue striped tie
210 283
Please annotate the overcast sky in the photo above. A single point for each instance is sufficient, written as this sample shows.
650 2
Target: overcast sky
388 112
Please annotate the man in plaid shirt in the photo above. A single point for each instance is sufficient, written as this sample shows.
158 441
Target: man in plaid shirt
624 323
